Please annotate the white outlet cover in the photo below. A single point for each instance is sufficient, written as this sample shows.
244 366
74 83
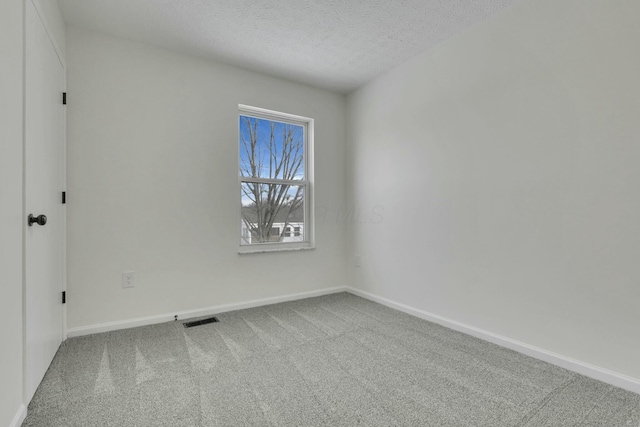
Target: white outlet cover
128 279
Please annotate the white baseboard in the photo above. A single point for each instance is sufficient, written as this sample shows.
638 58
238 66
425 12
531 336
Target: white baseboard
207 311
20 416
592 371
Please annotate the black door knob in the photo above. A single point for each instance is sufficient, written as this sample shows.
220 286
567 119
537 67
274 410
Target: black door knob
40 220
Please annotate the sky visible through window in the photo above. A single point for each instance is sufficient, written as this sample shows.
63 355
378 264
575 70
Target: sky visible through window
272 140
270 150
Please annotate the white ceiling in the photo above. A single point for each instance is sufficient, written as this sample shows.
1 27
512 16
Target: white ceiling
334 44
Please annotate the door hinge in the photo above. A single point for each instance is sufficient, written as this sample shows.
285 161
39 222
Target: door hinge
64 197
64 98
64 297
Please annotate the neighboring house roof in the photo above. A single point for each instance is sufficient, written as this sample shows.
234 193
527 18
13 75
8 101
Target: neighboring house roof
284 214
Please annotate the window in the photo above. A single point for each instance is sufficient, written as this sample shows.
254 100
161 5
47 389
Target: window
275 174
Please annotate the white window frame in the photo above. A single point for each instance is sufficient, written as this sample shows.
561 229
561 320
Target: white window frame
307 182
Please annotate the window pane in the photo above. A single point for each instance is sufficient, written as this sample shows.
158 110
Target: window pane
271 149
269 211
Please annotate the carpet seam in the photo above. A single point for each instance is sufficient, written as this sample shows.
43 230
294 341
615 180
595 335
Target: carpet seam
545 401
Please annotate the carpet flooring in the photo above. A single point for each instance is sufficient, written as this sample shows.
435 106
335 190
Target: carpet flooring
336 360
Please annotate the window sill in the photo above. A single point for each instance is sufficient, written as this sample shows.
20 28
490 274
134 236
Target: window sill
262 250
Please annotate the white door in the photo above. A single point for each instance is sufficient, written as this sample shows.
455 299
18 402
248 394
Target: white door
44 183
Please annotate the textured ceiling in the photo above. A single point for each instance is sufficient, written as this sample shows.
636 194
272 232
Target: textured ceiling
334 44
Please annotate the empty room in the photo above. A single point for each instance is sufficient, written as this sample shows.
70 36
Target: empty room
320 213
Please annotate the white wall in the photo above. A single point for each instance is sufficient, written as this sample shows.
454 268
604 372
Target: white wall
505 163
11 75
152 183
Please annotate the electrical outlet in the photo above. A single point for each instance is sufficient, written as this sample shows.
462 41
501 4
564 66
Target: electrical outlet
358 260
128 279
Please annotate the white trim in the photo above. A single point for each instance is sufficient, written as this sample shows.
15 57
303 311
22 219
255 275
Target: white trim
150 320
20 417
298 183
263 113
64 213
257 249
307 124
592 371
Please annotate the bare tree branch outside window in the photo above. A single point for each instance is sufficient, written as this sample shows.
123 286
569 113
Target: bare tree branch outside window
272 171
